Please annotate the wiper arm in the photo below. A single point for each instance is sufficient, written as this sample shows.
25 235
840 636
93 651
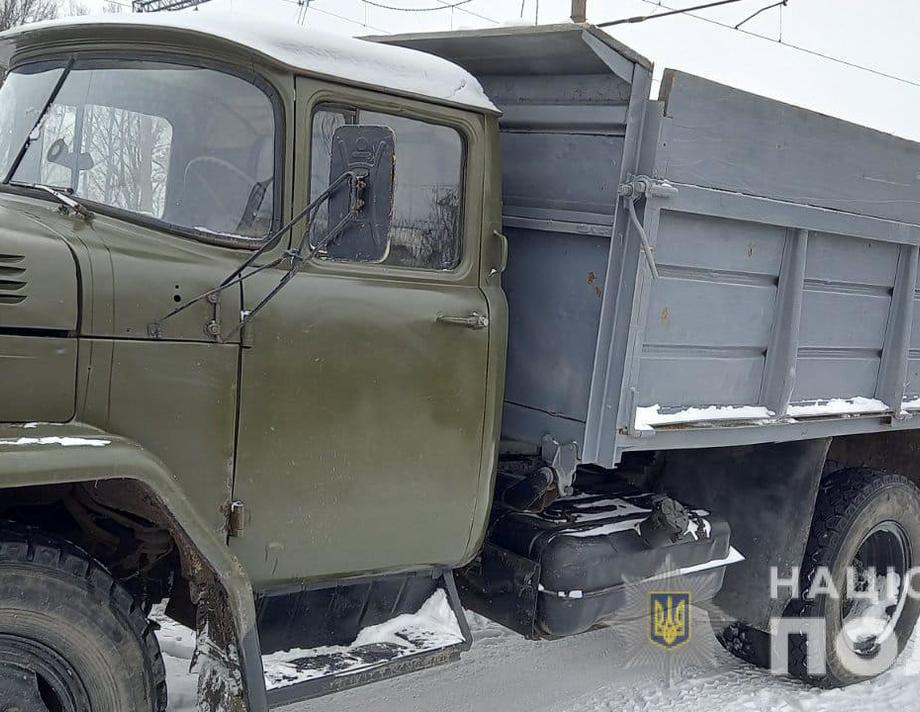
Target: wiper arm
297 255
35 133
62 196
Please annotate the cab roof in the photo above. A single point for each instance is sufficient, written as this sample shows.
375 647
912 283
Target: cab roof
299 49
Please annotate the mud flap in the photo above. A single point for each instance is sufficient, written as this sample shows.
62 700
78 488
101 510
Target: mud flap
411 637
767 493
502 586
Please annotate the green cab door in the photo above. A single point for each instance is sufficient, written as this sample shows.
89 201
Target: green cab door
363 394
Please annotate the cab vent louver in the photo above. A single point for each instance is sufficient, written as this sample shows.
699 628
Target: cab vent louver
12 279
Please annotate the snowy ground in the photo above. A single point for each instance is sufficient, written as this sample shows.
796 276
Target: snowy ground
587 673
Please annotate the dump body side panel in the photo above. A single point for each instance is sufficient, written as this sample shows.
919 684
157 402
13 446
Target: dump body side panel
787 276
725 138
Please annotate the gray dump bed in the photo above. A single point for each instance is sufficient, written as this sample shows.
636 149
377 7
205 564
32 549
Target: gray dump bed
786 255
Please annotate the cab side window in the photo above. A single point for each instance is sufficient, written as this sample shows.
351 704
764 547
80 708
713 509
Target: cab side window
426 227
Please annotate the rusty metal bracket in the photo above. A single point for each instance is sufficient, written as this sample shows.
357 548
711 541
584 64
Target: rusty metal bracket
212 328
563 459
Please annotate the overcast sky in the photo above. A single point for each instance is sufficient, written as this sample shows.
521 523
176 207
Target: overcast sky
882 34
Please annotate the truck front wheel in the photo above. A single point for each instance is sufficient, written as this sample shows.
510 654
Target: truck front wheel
856 580
72 638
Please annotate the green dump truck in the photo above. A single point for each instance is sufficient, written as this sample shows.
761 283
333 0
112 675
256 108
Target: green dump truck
315 343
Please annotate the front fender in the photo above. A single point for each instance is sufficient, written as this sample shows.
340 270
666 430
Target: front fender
52 453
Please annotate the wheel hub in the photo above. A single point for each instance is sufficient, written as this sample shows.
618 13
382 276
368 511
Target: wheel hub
19 690
879 570
33 678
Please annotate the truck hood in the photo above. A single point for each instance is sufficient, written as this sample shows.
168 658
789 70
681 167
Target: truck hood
38 273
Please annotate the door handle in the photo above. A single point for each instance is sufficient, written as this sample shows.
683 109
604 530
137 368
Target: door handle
473 321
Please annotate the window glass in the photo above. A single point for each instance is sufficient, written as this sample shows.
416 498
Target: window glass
325 122
23 95
425 231
125 162
189 146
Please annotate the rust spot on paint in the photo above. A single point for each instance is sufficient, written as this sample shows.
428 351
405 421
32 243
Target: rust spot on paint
665 314
592 278
599 292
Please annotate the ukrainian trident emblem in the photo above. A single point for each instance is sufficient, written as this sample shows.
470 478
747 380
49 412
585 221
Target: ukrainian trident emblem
669 619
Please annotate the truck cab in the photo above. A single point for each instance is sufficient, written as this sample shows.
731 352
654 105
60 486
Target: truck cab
189 168
350 427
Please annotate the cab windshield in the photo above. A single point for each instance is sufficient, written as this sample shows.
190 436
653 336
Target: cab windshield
187 146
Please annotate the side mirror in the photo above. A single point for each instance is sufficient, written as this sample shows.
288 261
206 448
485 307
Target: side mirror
60 154
369 152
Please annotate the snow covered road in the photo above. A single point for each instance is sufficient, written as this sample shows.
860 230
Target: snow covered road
586 673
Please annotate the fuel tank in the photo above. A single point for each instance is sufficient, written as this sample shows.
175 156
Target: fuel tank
39 317
593 558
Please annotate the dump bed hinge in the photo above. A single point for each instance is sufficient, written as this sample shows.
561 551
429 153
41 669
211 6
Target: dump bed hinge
633 190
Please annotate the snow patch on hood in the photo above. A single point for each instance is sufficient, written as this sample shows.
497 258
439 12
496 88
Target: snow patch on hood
62 441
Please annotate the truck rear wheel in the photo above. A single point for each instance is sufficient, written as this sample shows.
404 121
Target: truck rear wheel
72 639
866 522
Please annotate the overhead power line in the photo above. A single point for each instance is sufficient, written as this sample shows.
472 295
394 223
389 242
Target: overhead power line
797 48
435 8
313 8
457 5
658 16
761 11
467 11
328 13
302 12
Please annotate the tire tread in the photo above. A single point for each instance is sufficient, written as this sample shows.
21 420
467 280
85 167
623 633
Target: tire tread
29 545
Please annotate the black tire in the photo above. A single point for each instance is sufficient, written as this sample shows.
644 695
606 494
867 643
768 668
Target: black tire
744 642
81 635
851 505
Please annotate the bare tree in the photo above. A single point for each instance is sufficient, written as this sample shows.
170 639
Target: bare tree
14 13
18 12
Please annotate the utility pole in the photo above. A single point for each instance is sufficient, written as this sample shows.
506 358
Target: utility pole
579 10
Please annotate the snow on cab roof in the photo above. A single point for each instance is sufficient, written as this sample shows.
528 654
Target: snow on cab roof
301 49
